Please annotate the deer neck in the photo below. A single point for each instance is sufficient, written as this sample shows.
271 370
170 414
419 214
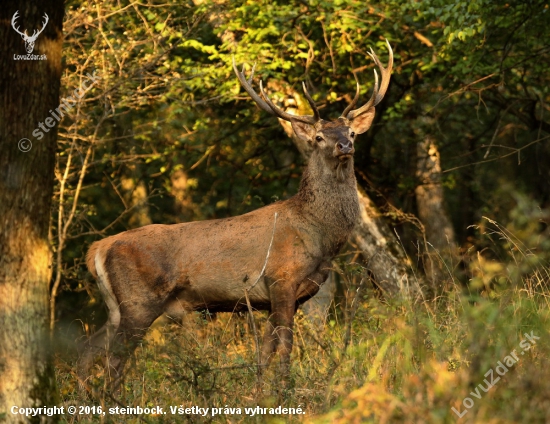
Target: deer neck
328 197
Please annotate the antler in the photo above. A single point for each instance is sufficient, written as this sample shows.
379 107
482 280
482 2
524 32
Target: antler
378 92
266 104
36 34
15 16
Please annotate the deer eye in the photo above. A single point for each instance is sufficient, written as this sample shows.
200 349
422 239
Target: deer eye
319 138
352 134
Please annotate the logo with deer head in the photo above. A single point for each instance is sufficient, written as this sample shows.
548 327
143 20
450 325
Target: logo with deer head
29 40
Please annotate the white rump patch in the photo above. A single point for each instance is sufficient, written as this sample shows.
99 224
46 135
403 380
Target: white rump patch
107 291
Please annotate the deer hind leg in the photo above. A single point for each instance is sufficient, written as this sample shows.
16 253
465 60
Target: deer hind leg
99 343
129 334
135 319
114 343
127 324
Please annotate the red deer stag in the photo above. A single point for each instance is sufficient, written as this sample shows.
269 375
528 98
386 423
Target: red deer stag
208 265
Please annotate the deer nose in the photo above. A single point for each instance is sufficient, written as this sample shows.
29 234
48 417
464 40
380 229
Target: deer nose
344 147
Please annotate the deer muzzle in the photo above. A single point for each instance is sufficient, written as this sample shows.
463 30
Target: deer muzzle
345 148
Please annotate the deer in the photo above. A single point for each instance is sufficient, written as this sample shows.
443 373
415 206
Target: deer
273 258
29 40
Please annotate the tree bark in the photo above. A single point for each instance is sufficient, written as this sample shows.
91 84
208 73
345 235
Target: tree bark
381 249
316 309
136 198
29 89
438 228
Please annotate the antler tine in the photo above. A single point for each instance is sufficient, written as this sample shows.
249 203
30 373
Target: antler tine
267 105
15 16
370 103
355 99
37 32
316 115
251 73
307 119
248 88
379 92
386 73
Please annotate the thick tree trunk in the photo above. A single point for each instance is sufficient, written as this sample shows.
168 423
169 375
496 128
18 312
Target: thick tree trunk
438 229
316 309
384 255
29 89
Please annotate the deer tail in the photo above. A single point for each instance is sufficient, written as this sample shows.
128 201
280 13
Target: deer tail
90 258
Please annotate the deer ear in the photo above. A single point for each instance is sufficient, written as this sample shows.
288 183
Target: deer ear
305 132
362 123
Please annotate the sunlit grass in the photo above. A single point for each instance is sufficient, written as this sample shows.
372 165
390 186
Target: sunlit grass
400 361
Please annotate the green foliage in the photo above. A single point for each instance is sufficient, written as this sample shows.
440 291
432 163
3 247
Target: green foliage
468 74
167 135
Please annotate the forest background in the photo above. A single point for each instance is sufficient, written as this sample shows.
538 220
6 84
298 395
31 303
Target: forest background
448 268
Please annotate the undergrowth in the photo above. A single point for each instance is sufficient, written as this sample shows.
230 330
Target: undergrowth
373 360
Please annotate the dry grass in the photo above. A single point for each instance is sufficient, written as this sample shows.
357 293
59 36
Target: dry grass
394 362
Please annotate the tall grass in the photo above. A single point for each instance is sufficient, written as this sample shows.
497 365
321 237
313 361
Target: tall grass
374 361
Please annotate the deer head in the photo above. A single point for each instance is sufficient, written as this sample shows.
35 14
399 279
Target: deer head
29 41
334 140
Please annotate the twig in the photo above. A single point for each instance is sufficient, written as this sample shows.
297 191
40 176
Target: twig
267 256
516 151
497 130
256 341
464 88
208 151
113 223
329 45
63 229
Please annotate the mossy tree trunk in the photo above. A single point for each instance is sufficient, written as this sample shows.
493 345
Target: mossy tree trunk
29 89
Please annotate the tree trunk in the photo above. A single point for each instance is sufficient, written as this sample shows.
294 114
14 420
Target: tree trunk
438 229
184 208
316 309
136 198
381 249
29 89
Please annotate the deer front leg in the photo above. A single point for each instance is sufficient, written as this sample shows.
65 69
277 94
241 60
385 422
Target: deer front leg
279 327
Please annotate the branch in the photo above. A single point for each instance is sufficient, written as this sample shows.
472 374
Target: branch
516 151
257 342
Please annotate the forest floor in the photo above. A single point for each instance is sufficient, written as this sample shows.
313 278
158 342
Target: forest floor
478 356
